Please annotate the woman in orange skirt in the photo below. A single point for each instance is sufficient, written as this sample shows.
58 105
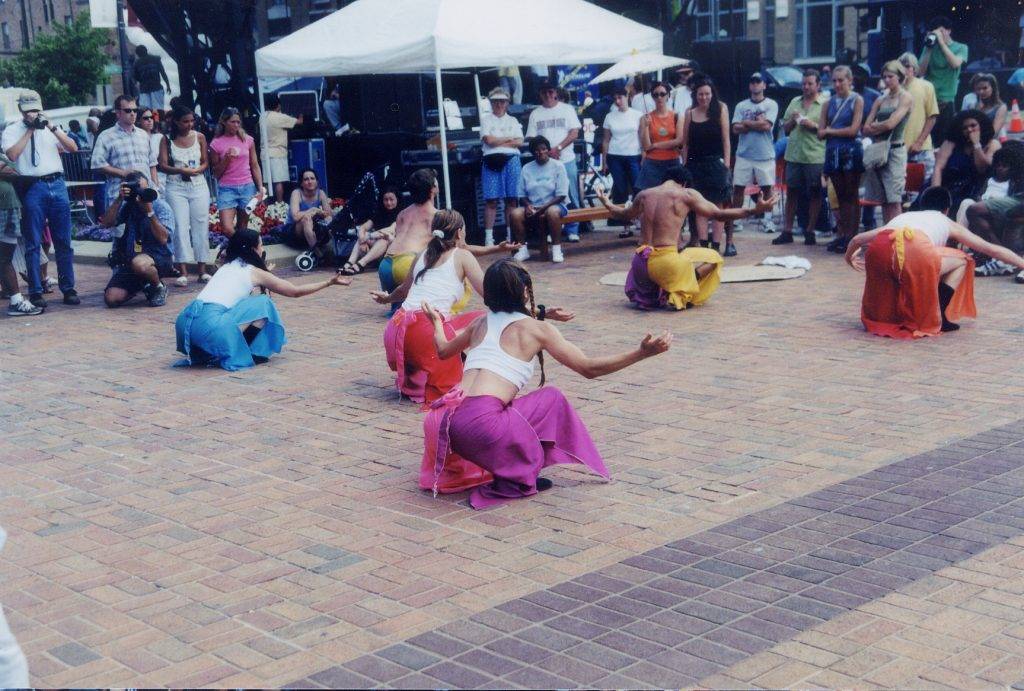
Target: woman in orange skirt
916 286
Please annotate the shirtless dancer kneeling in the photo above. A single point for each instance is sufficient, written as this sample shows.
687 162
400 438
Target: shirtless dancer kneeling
412 235
660 273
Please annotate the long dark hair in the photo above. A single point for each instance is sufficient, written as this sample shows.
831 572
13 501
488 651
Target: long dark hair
991 81
955 133
242 245
507 288
177 113
715 106
444 233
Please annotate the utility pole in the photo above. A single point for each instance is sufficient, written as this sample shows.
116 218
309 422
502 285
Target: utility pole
122 42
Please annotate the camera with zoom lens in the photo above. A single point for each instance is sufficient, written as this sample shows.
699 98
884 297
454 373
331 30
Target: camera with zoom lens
135 191
930 40
40 123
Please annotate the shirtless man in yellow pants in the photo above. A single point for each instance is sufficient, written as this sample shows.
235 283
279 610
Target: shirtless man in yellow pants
660 274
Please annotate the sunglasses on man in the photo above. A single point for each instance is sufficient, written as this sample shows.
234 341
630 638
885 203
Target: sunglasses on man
129 110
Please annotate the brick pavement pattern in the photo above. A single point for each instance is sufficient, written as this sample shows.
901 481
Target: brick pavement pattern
793 503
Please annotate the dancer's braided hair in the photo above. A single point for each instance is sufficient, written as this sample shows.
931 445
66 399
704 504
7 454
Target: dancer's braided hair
505 285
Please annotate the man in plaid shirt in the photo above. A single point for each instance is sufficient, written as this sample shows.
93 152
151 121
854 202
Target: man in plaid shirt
122 148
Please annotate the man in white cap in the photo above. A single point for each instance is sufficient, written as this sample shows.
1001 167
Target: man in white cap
501 136
681 99
35 145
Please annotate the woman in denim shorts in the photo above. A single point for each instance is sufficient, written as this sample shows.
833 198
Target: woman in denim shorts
841 118
237 169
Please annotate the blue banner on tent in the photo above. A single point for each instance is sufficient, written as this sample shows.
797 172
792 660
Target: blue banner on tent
575 76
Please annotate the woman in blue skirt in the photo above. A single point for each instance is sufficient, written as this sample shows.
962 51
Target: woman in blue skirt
229 327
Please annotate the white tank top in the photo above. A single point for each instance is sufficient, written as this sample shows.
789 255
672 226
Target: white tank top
934 224
187 157
229 285
439 287
490 356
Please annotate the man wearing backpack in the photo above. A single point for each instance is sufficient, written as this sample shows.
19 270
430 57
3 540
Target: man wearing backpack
146 73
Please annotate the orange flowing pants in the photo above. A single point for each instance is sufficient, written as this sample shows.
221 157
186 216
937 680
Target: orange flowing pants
901 296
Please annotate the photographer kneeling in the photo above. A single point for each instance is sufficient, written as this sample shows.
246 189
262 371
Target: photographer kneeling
140 257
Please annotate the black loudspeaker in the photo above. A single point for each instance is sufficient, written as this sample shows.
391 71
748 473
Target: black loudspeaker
384 103
729 63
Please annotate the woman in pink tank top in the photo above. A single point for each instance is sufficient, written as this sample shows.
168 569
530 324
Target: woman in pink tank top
237 169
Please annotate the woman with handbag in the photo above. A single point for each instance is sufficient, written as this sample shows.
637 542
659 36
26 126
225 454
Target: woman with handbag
885 159
841 118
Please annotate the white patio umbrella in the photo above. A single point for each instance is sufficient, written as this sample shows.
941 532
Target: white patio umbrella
638 63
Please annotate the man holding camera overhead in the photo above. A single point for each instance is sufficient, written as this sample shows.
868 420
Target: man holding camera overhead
140 257
35 146
940 64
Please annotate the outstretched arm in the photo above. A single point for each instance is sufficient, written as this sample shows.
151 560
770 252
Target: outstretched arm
853 250
624 213
449 348
966 237
702 207
503 247
267 280
575 359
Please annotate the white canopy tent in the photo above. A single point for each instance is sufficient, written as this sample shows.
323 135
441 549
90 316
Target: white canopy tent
409 36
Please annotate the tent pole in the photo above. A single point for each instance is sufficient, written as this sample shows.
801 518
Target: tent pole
479 97
268 176
444 139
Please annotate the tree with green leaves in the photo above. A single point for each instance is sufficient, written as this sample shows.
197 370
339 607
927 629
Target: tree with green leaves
64 67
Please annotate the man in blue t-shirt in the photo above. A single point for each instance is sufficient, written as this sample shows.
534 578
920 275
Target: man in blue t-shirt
754 121
543 189
140 257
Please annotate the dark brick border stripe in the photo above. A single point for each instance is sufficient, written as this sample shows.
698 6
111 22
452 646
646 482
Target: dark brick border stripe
687 610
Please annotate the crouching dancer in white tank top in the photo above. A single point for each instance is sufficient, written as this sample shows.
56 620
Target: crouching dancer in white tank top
437 278
226 325
485 421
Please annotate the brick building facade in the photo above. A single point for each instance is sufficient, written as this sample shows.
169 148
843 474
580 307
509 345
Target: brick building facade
22 20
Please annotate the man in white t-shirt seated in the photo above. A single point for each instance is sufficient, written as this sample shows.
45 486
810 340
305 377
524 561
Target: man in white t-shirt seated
543 187
559 124
501 136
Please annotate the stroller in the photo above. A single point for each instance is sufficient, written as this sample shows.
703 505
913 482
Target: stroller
338 235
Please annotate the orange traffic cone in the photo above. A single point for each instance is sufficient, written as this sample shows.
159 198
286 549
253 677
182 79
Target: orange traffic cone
1016 124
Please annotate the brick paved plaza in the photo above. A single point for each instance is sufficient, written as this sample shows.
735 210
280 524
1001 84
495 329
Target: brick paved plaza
793 503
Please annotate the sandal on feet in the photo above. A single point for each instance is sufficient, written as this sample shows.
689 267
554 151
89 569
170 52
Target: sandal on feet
626 234
351 269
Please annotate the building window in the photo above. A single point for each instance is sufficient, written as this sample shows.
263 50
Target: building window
769 30
5 33
318 9
46 14
816 22
714 20
68 19
279 19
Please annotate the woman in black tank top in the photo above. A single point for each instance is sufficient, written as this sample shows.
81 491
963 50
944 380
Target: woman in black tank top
707 152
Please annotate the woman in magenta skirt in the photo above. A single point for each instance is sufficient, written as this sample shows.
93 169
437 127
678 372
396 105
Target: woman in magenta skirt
485 421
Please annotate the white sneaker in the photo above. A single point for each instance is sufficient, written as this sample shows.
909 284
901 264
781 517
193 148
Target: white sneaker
23 309
205 278
572 237
556 254
181 281
767 225
522 255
